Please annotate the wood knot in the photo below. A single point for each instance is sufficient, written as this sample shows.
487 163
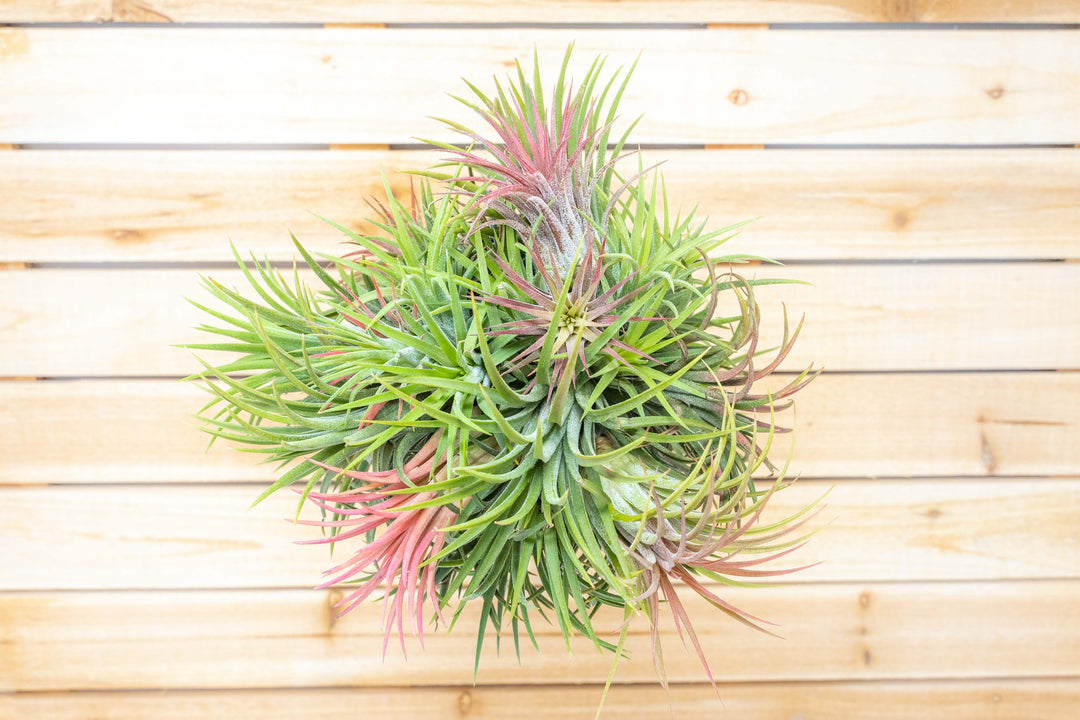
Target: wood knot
465 702
867 658
127 235
995 92
738 96
900 219
899 11
864 599
989 460
138 11
333 597
933 513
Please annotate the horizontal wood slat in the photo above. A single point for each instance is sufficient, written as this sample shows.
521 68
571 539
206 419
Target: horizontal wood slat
35 11
688 11
1046 699
859 317
205 536
567 11
227 85
135 431
290 638
89 206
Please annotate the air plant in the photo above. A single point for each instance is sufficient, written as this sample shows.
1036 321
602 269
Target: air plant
519 392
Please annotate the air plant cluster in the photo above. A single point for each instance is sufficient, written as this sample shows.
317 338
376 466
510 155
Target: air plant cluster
519 391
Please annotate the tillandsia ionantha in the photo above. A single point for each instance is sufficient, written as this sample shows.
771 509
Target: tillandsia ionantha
519 390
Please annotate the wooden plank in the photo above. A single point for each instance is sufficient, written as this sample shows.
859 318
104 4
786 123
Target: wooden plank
228 85
976 424
991 316
114 432
1047 699
568 11
90 206
150 537
584 11
290 638
32 11
101 205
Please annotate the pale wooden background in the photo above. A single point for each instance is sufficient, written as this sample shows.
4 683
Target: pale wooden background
925 178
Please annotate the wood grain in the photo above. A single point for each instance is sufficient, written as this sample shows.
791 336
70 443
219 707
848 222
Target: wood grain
579 11
567 11
993 316
153 537
974 424
35 11
109 206
1046 699
135 581
290 638
346 85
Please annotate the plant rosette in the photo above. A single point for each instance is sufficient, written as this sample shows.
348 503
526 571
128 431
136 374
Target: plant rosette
519 392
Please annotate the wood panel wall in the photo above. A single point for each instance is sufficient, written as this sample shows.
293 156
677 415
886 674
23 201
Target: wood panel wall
915 160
